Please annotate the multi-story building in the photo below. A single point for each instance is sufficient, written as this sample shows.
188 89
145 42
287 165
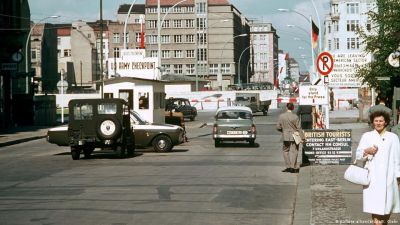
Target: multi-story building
201 38
64 53
294 70
341 39
44 57
264 52
16 95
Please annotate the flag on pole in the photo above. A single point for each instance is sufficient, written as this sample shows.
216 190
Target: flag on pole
315 33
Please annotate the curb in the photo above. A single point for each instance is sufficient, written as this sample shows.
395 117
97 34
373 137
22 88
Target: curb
302 205
22 140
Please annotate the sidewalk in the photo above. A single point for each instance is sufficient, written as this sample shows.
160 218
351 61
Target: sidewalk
22 134
324 197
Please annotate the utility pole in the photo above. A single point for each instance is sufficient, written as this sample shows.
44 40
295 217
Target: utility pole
101 49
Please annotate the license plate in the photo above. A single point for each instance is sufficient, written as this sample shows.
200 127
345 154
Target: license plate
236 132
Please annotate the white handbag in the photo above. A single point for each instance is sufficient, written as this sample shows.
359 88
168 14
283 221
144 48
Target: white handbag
357 175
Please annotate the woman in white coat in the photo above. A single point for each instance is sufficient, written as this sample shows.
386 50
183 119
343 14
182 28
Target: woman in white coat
382 148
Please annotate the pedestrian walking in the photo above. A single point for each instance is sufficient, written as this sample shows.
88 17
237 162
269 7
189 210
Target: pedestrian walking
288 123
332 99
381 197
305 113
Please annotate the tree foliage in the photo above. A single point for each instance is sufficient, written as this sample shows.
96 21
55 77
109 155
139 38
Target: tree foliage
383 40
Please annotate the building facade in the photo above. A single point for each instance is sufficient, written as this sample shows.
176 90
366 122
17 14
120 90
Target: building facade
16 95
199 38
264 52
342 40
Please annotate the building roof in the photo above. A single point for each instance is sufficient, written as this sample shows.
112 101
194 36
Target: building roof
188 2
136 9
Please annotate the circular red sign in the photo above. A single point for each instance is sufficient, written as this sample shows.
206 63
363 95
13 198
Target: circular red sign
324 63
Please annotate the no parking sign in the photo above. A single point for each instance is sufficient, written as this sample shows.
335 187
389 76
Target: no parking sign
324 63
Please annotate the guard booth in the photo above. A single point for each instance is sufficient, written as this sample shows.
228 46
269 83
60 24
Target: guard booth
147 97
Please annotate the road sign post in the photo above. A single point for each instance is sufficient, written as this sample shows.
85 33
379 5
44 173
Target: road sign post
324 66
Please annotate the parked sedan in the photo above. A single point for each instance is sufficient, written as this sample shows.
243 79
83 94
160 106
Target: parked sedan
181 105
234 123
161 136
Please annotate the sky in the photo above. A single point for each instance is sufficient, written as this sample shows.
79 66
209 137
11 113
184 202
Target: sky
259 10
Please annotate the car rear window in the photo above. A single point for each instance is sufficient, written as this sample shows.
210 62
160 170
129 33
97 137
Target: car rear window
234 115
107 108
83 112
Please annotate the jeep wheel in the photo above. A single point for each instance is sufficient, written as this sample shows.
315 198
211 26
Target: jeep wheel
162 143
252 142
75 153
121 151
108 128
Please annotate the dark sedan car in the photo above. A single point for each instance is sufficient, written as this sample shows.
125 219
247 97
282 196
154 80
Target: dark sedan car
161 136
181 105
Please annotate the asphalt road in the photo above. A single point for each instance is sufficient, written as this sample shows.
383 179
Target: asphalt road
196 184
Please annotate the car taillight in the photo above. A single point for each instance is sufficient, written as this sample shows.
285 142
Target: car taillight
215 129
253 129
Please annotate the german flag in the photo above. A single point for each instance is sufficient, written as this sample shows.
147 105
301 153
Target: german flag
315 33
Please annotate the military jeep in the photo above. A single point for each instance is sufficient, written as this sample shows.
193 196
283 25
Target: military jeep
100 123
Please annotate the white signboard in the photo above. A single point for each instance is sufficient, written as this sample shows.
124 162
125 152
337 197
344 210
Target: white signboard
344 71
133 63
313 95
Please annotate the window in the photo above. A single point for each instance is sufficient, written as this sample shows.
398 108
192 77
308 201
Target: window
190 38
116 38
165 39
166 24
336 43
164 9
189 23
58 41
153 23
201 7
353 43
335 26
177 23
226 68
107 108
165 53
202 54
177 9
166 68
329 45
67 52
83 112
352 8
201 68
33 54
201 22
329 28
352 25
137 36
116 52
153 53
201 38
151 39
178 69
368 25
190 68
143 100
189 53
178 38
335 8
213 69
152 10
89 35
126 36
189 9
178 54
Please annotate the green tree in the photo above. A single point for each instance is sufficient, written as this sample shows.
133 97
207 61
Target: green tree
383 40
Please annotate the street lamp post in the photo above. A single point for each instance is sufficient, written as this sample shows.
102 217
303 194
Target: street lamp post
219 77
239 81
126 22
28 53
159 25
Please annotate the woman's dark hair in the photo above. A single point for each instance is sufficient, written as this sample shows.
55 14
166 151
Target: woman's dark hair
375 114
290 106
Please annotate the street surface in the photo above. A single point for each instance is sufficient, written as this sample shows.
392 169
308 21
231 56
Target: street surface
195 184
